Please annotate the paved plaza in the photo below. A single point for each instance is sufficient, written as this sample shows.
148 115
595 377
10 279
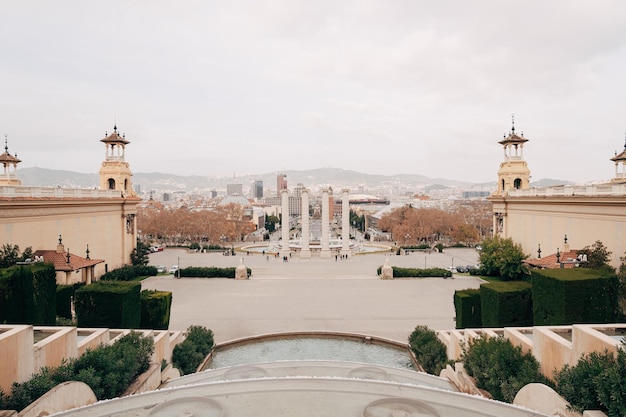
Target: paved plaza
312 295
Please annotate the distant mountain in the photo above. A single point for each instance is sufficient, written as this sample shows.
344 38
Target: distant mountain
335 177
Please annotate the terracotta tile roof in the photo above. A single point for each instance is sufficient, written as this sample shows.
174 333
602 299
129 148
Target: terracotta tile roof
59 259
8 158
568 259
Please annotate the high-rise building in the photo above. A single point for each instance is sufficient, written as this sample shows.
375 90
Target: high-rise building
281 183
232 189
257 189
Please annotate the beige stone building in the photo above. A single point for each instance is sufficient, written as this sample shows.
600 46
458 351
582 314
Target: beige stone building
552 219
93 223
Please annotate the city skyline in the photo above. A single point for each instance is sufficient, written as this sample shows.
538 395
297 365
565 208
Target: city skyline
400 88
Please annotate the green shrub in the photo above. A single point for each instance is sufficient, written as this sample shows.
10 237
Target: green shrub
64 299
108 370
506 304
429 351
190 353
129 273
596 382
501 368
467 308
113 304
209 272
399 272
155 309
28 294
574 295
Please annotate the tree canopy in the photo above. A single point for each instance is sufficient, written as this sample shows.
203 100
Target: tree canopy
503 258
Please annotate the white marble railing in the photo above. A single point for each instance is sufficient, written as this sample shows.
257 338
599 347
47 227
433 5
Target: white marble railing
569 190
43 192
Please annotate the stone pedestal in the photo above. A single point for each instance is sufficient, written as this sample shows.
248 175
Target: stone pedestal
241 272
387 270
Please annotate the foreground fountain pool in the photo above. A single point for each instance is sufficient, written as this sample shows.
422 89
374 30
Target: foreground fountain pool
290 348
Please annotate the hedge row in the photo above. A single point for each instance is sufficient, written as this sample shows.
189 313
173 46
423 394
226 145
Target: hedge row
467 307
209 272
28 294
554 297
129 273
577 295
155 309
399 272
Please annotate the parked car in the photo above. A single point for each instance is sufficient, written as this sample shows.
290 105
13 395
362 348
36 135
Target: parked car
161 269
173 269
461 269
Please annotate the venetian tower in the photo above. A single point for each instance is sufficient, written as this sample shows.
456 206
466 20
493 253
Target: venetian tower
115 173
9 164
620 161
514 173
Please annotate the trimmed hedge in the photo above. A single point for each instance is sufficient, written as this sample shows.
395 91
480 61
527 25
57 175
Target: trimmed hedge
208 272
64 299
111 304
575 295
155 309
399 272
467 308
28 294
129 273
506 304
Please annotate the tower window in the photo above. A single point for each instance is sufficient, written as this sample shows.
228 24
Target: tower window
517 184
111 184
125 185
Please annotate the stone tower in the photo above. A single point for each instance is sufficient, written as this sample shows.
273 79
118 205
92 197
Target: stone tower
620 162
9 164
514 173
115 173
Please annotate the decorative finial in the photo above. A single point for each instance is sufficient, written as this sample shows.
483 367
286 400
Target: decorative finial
513 123
115 128
558 256
6 143
60 240
67 256
565 239
625 141
87 252
539 251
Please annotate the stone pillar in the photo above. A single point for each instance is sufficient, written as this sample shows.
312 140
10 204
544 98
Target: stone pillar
305 251
325 252
345 221
284 225
386 271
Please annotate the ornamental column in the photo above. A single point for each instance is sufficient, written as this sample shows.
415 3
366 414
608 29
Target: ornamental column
305 251
325 252
284 224
345 221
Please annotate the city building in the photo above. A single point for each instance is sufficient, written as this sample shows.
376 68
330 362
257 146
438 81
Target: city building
281 183
234 189
99 223
257 189
540 218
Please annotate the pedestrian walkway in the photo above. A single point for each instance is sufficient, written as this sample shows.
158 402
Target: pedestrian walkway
312 295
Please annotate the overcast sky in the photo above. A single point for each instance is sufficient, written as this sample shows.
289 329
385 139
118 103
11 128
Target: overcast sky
382 87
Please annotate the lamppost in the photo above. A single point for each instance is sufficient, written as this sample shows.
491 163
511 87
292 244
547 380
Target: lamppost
177 273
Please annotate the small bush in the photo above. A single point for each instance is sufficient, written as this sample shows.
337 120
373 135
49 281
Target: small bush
190 353
596 382
208 272
108 370
429 351
501 368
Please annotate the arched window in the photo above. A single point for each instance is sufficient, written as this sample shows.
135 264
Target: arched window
126 185
503 184
517 184
111 184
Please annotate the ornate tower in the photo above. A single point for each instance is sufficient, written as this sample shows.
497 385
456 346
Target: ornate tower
115 173
514 173
620 160
9 164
